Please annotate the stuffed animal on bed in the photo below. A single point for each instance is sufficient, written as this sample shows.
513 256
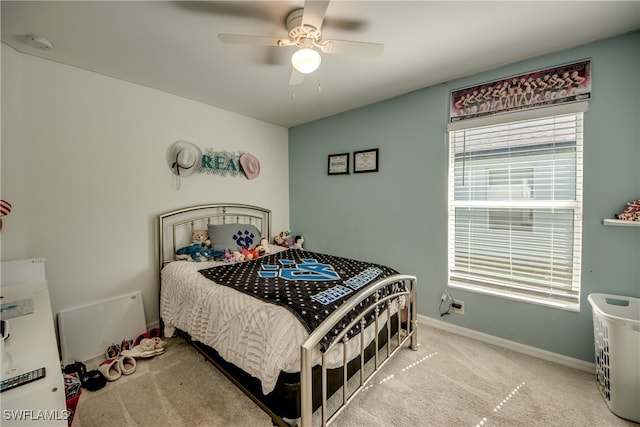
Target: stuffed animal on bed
288 240
202 238
278 239
263 247
249 254
285 239
195 252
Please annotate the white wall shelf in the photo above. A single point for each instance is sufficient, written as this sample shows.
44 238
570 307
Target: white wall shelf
621 222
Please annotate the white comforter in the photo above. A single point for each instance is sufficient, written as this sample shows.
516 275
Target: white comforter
260 338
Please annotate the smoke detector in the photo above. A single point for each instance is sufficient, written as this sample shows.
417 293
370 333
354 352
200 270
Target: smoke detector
39 42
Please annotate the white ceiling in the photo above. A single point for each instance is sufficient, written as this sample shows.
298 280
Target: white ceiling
173 46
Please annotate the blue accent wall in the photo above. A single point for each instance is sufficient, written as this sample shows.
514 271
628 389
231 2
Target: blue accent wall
398 216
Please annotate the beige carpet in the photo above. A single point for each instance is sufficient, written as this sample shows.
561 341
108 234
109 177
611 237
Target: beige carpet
449 381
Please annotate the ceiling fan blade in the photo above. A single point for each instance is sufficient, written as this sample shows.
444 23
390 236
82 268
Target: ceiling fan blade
313 14
296 77
242 39
344 23
258 10
345 47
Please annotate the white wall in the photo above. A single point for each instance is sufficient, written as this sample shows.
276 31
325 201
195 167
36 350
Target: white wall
84 164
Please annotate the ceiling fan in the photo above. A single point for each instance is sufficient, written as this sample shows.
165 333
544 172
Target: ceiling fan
305 31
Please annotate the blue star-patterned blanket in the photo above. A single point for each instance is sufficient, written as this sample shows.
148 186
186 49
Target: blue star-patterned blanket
311 285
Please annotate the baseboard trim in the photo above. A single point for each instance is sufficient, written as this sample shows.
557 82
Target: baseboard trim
154 324
510 345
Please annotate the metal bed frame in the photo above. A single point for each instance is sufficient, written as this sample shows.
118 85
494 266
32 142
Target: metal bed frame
175 227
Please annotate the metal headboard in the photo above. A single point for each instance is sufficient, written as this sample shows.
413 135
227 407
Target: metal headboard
176 227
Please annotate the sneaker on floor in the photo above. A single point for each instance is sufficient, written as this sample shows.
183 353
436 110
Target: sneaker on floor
112 351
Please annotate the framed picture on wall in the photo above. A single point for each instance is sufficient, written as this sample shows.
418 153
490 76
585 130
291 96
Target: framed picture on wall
338 164
365 161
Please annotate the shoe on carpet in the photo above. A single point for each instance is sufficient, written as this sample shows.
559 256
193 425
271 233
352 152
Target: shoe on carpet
153 343
112 351
110 368
93 380
126 345
76 367
143 350
127 365
151 333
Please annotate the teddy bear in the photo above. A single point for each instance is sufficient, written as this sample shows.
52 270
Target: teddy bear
201 237
196 252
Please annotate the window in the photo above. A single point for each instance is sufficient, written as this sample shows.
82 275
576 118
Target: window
515 208
513 184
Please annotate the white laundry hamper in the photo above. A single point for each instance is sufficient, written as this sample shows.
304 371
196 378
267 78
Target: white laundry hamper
616 331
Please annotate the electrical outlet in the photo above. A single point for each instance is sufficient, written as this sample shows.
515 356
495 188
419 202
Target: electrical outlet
458 310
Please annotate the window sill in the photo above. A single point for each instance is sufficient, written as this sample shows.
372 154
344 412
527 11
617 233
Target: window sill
561 305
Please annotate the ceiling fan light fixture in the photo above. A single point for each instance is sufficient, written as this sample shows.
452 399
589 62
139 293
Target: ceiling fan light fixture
306 60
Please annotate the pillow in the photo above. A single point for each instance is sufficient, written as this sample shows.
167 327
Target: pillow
231 236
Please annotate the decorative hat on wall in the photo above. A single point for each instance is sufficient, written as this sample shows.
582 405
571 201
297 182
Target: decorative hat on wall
5 208
250 165
184 158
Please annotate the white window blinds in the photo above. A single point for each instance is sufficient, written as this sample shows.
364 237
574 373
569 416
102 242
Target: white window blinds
515 209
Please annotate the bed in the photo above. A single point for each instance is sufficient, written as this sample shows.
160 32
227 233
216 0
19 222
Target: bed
282 327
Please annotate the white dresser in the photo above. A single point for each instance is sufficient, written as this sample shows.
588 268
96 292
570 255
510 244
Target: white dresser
31 345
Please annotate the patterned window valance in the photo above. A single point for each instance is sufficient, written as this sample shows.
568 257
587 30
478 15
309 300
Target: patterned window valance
551 86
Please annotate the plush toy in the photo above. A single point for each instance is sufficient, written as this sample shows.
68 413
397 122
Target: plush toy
195 252
249 254
285 239
201 237
631 212
288 240
228 256
279 239
263 247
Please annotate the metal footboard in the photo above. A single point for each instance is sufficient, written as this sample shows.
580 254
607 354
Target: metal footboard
408 292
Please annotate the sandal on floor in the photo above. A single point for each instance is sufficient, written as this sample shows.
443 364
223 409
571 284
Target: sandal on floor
110 369
127 365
